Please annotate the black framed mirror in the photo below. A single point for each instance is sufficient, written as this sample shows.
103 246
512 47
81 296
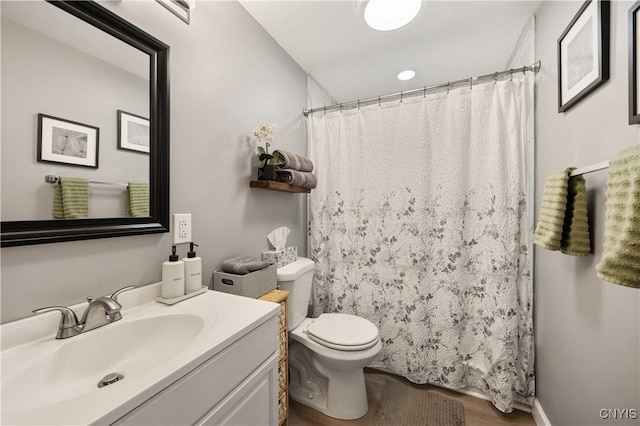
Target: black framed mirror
27 232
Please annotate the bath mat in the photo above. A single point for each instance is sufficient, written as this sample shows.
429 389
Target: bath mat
402 405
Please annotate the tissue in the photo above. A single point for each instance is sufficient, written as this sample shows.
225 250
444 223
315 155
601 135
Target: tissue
281 255
278 237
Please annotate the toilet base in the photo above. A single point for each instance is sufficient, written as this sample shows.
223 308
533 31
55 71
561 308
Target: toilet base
336 393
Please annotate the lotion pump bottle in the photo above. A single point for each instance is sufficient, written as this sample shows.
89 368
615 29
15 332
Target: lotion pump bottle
172 277
192 271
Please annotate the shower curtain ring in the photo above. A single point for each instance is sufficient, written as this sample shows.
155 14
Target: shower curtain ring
470 83
448 86
340 107
325 110
401 95
511 74
358 103
425 92
495 77
378 100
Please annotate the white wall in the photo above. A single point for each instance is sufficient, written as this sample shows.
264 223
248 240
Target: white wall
226 74
587 330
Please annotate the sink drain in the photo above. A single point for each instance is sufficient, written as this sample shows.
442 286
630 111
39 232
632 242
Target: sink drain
110 379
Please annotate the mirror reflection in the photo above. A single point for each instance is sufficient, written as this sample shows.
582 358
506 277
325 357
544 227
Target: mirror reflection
75 110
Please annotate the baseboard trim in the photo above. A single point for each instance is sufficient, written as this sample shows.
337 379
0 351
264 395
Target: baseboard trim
473 391
539 415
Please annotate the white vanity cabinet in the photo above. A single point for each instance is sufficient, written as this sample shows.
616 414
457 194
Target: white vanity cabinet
237 386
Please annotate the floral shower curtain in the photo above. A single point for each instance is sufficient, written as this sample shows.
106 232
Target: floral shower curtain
418 224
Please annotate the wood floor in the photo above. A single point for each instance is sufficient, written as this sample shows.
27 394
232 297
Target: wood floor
478 412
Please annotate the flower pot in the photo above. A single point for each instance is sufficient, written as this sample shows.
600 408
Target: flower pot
268 172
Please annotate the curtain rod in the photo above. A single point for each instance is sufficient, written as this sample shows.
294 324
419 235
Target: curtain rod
422 91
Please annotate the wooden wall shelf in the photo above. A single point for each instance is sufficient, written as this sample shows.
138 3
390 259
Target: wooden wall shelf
278 186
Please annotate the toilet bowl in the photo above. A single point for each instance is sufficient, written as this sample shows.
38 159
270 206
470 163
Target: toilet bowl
326 354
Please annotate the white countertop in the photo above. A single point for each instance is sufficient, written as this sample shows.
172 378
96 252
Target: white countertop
39 388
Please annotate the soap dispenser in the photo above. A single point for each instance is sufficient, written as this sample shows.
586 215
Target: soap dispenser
192 271
172 277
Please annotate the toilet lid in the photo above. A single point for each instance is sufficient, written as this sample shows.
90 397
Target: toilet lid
343 332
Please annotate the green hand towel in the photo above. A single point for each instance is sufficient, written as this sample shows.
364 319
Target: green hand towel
71 198
137 201
620 262
562 222
575 232
548 232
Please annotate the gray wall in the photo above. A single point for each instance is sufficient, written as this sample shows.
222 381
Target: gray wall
226 74
587 330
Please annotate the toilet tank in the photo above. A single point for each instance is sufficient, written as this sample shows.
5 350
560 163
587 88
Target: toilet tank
296 278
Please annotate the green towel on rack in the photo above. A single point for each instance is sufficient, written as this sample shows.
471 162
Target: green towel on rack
575 232
71 198
562 222
137 201
620 262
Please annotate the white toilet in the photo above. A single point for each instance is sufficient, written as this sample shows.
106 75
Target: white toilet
326 354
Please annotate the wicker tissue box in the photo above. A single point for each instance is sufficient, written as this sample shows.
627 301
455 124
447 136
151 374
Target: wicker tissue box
253 284
281 257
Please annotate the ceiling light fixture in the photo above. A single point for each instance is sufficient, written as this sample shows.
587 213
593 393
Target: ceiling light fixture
406 75
388 15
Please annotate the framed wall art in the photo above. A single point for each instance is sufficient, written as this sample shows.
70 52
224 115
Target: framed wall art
583 53
180 8
133 132
67 142
634 71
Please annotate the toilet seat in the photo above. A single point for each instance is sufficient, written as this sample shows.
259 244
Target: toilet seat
343 332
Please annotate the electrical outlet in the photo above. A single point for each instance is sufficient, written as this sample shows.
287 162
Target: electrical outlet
181 228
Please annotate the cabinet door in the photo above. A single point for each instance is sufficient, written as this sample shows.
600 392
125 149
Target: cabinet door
254 402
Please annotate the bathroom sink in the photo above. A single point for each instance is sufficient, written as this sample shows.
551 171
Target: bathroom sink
74 366
50 381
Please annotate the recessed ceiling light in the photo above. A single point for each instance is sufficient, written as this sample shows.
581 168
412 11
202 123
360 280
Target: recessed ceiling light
387 15
406 75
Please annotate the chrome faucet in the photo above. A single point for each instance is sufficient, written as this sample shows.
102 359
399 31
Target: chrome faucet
101 311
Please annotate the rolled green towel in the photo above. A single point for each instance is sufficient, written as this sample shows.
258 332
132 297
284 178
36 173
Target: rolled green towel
71 198
620 262
562 222
137 201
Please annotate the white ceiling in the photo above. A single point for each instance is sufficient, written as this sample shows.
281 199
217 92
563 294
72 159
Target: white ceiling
449 40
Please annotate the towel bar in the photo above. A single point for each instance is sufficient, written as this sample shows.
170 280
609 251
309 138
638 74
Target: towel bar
592 168
55 179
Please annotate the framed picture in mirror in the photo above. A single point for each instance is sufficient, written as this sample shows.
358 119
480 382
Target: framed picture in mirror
67 142
583 53
133 132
